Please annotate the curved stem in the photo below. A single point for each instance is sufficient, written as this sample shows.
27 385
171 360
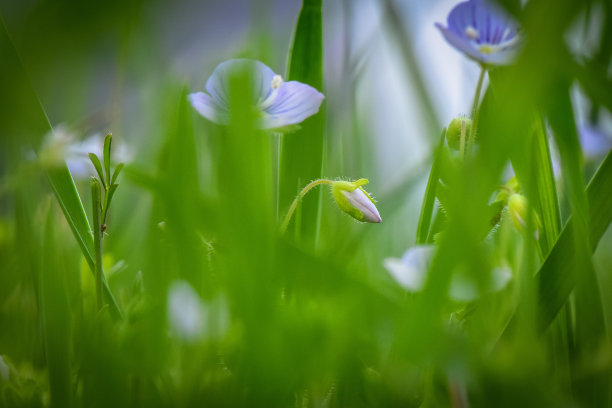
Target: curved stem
475 109
297 199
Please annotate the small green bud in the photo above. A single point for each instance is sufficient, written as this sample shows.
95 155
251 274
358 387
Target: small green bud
355 201
511 187
518 207
453 133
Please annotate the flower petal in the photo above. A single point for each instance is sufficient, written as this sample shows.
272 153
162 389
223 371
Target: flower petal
209 108
362 202
468 47
411 270
294 102
218 84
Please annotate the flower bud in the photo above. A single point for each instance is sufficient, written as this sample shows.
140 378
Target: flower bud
511 187
355 201
453 133
518 207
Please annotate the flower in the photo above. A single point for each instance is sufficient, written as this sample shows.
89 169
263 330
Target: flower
410 272
281 103
483 32
62 145
355 201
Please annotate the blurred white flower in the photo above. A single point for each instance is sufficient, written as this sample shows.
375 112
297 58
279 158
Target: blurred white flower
192 319
62 145
186 314
411 270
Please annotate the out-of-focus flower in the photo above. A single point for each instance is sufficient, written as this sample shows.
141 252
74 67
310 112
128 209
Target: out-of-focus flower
483 32
595 143
61 145
411 270
280 103
185 311
191 319
355 201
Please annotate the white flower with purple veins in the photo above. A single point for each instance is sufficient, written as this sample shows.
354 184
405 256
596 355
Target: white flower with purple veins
410 272
483 32
280 103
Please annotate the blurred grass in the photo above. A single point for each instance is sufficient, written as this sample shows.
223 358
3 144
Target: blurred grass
287 323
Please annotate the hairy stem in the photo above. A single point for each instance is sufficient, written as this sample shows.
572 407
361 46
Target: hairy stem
298 198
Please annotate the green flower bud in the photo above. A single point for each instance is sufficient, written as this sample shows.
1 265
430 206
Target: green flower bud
355 201
511 187
453 133
518 207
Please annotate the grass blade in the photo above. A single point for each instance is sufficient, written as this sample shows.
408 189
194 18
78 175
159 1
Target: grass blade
430 194
96 162
302 152
107 157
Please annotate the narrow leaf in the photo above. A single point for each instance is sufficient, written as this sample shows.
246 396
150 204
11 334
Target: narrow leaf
430 194
107 156
96 162
118 169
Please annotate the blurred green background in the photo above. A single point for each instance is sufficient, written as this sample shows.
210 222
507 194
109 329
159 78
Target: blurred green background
215 307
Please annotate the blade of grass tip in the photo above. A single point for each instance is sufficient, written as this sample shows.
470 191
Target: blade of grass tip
38 124
98 166
55 315
430 194
107 157
302 152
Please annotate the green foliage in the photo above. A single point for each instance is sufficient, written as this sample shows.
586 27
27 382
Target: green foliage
213 304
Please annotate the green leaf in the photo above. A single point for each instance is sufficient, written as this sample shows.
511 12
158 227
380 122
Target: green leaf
109 198
96 162
557 275
430 194
55 313
107 157
116 173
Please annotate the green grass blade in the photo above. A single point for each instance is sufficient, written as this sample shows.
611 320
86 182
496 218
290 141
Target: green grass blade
37 124
430 194
107 157
55 315
96 162
302 152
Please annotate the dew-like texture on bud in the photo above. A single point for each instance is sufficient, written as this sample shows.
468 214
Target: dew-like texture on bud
453 133
355 201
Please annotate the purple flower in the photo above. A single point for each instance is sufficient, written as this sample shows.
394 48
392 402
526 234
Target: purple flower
483 32
280 103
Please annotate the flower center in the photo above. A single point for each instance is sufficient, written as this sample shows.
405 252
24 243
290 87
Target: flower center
277 81
471 32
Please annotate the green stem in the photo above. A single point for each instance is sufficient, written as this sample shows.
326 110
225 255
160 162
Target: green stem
475 109
97 233
299 197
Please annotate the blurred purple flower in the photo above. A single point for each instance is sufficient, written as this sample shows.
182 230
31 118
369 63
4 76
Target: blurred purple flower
280 103
595 143
483 32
